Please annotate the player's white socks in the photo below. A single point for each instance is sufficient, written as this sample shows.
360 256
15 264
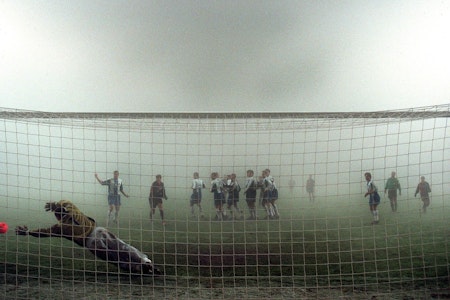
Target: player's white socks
275 207
269 210
375 215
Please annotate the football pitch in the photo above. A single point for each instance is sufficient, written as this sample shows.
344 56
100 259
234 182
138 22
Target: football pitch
325 249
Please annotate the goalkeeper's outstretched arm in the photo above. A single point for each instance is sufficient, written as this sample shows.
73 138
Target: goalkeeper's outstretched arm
55 230
42 232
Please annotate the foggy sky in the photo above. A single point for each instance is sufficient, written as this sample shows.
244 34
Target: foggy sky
193 56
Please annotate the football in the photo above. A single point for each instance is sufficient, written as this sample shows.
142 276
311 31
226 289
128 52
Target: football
3 227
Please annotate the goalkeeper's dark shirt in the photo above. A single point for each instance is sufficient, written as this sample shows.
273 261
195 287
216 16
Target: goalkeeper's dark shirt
74 225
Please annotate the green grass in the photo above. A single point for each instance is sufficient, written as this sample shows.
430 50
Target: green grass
310 245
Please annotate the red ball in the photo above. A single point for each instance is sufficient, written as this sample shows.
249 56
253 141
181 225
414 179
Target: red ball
3 227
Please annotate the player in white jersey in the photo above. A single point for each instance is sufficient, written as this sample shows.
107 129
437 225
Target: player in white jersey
268 186
219 199
273 195
115 188
233 197
196 197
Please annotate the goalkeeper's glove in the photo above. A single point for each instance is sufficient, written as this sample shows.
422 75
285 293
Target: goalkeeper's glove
50 206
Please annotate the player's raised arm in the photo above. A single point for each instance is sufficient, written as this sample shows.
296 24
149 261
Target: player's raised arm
98 179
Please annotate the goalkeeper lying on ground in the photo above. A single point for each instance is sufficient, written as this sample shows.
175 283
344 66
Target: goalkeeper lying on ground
81 229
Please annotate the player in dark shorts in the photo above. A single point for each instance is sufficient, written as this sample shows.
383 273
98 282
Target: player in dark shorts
250 194
267 194
233 198
196 196
374 197
157 193
310 188
391 187
115 188
273 195
423 188
219 198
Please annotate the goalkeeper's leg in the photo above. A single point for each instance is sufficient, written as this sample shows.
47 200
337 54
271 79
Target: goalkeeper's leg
108 247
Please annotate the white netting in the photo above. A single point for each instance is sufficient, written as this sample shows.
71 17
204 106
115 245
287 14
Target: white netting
326 248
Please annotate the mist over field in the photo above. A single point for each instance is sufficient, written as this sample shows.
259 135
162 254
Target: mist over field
48 161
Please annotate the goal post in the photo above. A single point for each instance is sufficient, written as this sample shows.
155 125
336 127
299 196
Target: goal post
318 244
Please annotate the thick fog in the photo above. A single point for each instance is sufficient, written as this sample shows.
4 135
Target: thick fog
223 55
42 161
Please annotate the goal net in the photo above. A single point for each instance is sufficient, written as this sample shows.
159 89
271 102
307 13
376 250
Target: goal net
316 243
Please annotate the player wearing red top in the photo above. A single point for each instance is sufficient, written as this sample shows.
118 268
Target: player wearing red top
424 189
157 193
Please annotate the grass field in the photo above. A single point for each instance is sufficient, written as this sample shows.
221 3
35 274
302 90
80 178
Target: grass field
315 250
